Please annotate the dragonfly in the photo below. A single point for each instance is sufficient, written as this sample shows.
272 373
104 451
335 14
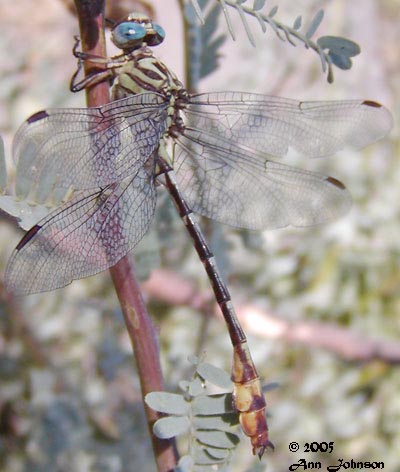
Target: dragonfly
217 154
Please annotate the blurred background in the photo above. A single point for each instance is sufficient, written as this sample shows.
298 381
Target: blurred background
321 305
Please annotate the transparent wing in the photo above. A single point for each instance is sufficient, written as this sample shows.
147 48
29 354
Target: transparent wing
223 165
269 126
84 236
262 195
90 147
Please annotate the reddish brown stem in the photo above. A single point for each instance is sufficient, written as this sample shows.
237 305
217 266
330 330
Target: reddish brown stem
347 343
137 320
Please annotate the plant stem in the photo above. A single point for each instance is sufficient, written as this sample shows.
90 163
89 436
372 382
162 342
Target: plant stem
137 320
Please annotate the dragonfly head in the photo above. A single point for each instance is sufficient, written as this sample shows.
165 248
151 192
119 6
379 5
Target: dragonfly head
135 32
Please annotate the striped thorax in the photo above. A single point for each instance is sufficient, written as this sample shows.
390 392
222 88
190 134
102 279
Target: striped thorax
143 72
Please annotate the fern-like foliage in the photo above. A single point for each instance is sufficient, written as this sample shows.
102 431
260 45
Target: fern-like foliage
33 200
203 42
332 50
208 419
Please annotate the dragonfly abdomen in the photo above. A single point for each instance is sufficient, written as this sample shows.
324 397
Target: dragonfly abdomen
248 398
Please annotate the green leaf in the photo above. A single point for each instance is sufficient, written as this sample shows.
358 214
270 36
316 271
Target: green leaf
273 11
297 23
246 25
258 5
339 46
228 19
171 426
340 50
205 47
343 62
219 439
209 63
203 460
224 422
165 402
211 22
213 404
315 22
197 9
28 215
191 16
196 387
217 453
214 375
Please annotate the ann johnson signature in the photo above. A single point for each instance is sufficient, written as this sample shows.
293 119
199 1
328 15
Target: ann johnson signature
351 464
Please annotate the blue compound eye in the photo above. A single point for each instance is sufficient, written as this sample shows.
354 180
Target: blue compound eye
128 34
160 31
157 38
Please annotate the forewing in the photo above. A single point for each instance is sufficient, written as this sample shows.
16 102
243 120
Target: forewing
84 236
268 126
87 148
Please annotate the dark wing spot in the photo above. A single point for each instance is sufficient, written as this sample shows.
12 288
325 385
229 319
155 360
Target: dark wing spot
38 116
335 182
28 236
371 103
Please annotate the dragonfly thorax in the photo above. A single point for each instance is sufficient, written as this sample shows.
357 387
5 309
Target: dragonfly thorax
143 72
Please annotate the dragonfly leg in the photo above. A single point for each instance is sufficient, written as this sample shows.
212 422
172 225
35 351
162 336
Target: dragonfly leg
85 55
97 76
89 80
249 400
110 62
